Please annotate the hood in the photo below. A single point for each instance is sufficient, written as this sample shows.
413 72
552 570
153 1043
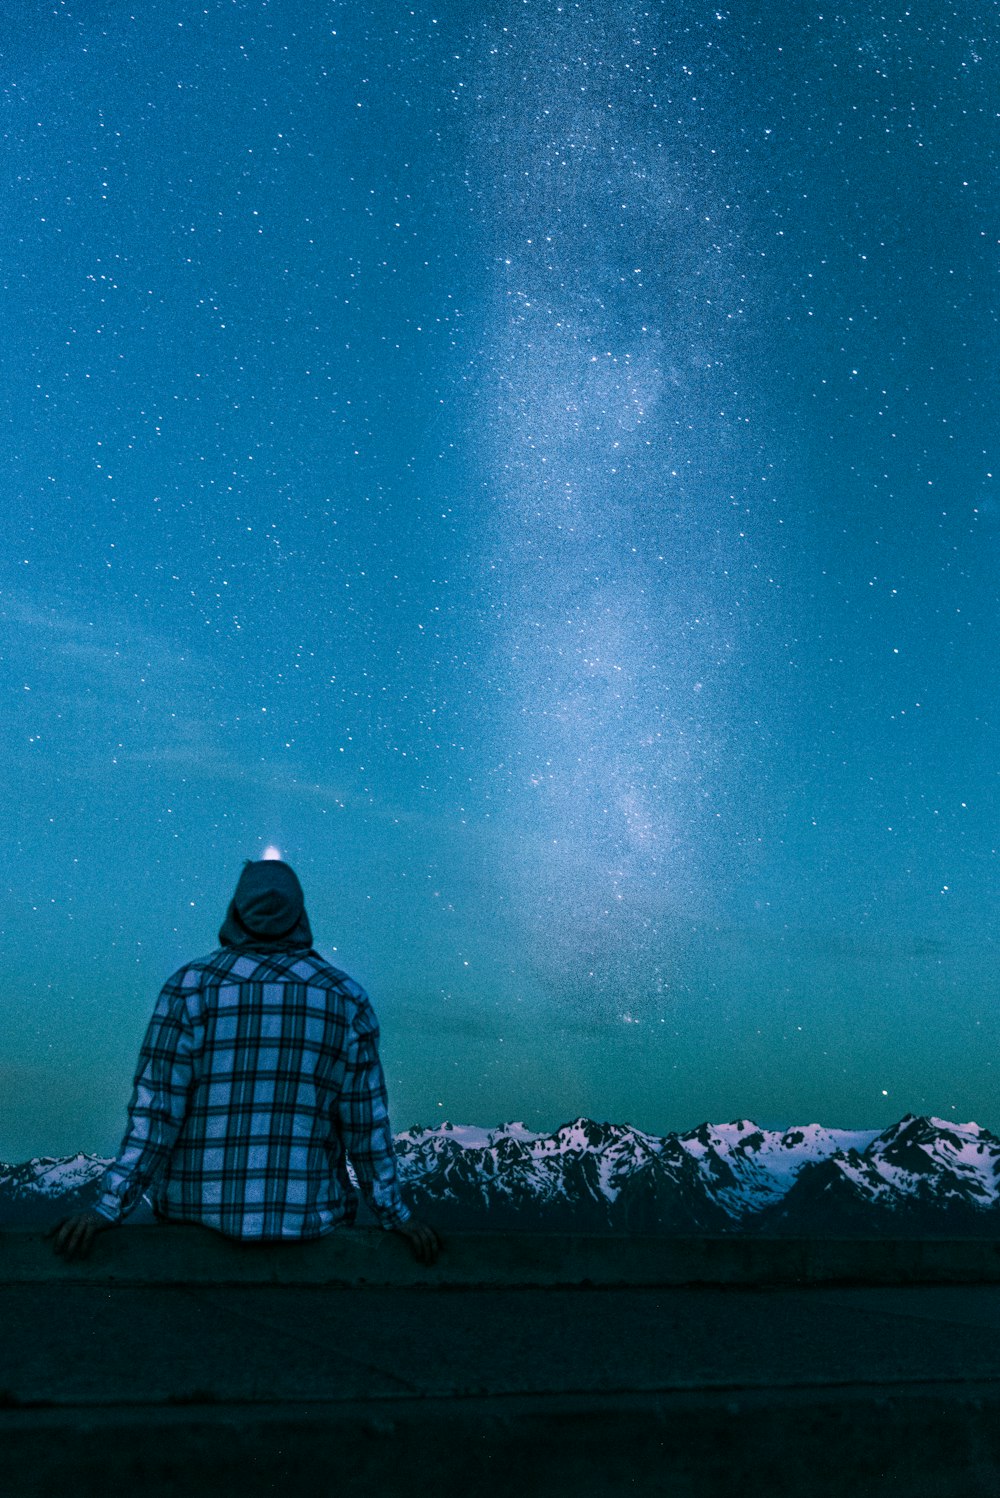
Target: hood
267 909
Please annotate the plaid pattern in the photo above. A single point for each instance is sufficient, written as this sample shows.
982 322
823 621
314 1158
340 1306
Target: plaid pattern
258 1076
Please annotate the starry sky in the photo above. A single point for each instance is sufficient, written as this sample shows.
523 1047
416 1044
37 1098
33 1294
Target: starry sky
534 464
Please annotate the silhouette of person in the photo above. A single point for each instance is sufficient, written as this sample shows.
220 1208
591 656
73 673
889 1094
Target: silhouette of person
258 1078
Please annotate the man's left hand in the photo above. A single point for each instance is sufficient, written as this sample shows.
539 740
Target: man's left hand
75 1235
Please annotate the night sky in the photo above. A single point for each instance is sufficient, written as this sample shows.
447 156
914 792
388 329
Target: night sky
534 463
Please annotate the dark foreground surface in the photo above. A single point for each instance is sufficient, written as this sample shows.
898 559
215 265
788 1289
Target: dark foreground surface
277 1370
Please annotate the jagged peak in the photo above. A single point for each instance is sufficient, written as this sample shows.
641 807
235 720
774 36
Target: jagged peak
43 1163
708 1133
584 1128
950 1126
924 1126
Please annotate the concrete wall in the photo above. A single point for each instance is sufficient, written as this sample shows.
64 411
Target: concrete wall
370 1257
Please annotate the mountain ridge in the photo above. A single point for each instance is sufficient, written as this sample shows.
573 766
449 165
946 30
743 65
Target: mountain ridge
921 1174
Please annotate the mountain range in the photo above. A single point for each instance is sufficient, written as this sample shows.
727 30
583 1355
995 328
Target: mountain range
920 1176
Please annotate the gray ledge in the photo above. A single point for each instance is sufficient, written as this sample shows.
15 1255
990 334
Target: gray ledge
369 1257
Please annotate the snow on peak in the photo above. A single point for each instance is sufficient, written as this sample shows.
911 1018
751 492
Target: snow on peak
467 1136
745 1166
53 1177
950 1127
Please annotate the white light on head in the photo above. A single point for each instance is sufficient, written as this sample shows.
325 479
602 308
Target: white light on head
271 852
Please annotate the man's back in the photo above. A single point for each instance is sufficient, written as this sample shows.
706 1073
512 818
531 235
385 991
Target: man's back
258 1070
258 1075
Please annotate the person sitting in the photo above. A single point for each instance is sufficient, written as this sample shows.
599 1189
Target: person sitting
258 1078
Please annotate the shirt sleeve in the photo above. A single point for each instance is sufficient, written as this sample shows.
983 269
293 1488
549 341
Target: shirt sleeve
363 1123
157 1107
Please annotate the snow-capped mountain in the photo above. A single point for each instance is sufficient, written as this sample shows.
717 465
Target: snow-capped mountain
610 1177
920 1175
44 1189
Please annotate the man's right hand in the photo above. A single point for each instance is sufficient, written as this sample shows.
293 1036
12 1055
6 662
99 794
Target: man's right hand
424 1241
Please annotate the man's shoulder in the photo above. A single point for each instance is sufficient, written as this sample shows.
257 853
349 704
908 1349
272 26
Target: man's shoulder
247 965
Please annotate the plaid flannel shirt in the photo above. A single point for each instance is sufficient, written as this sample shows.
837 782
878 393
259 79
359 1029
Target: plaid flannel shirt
258 1076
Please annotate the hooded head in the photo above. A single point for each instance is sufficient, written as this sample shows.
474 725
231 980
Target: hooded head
268 908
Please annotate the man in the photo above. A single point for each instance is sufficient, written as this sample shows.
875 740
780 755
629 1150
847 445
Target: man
259 1074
